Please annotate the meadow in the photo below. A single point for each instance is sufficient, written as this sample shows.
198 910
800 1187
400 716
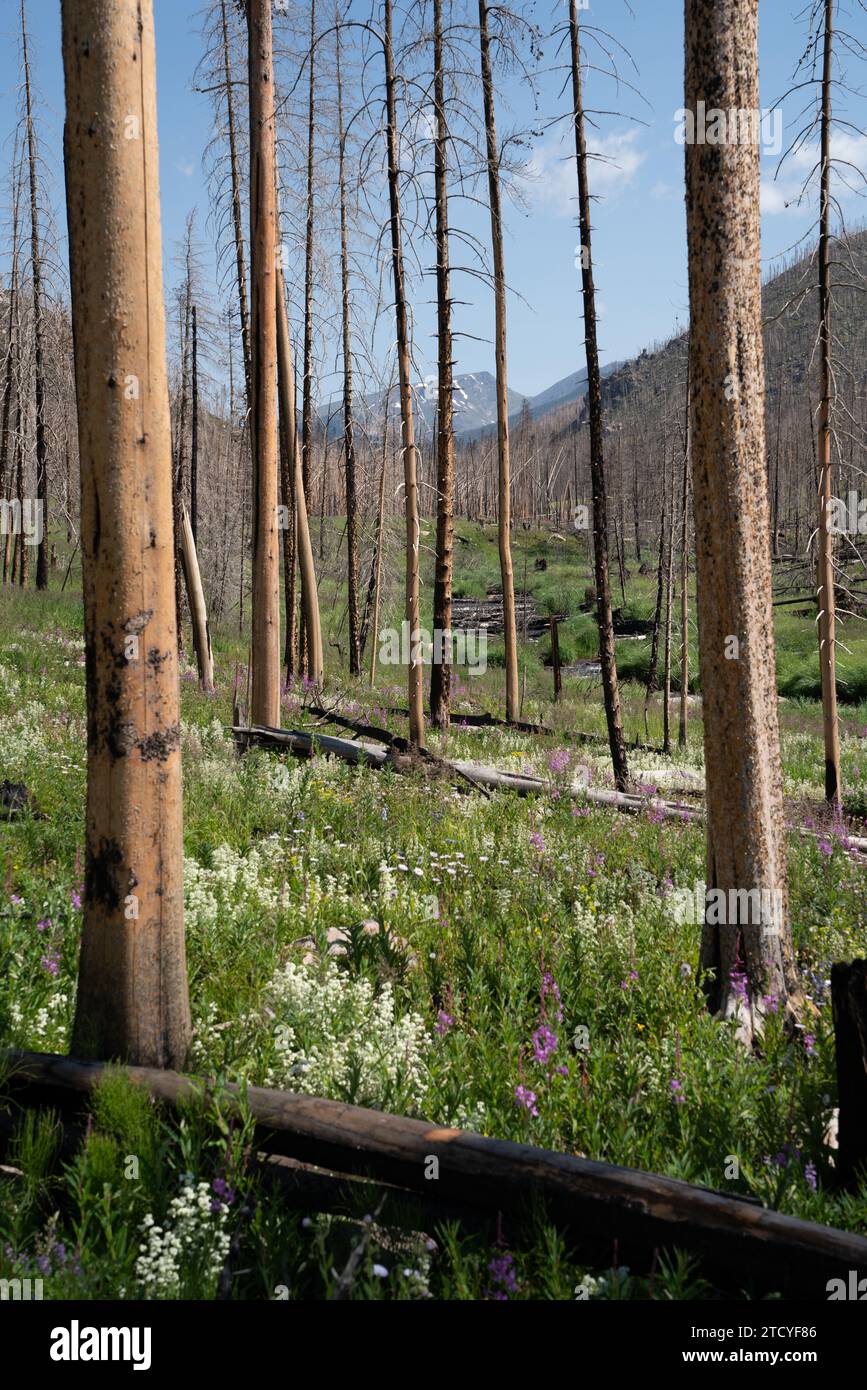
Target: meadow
513 967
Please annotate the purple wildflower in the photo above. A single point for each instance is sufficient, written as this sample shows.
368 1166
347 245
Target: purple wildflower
677 1091
544 1043
811 1176
502 1271
550 986
444 1023
527 1098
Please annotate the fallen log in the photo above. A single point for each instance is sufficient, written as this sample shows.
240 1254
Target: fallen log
594 1204
482 777
305 745
520 726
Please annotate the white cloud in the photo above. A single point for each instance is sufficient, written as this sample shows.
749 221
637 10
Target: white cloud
552 181
781 194
664 192
187 169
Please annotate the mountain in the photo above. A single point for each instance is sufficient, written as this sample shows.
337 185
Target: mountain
475 398
475 405
568 391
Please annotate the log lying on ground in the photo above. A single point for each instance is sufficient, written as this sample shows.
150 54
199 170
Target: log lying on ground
479 775
519 726
304 745
594 1204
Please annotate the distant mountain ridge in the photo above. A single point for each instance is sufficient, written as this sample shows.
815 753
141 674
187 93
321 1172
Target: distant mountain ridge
475 403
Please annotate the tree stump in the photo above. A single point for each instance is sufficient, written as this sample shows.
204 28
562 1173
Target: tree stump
849 1003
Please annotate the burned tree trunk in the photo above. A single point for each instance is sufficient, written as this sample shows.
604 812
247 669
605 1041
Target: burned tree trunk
441 674
309 590
825 575
849 1003
504 512
198 607
263 240
743 961
194 429
38 326
132 992
604 619
404 366
684 592
348 422
237 222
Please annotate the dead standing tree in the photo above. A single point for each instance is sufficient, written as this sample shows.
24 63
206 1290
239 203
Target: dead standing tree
440 680
510 633
604 619
742 962
348 419
404 366
132 998
38 320
815 72
265 700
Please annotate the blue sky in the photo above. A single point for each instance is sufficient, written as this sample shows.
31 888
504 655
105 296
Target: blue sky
639 240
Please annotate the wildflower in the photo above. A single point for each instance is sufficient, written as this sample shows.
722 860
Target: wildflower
825 848
379 1272
811 1176
537 842
550 986
738 980
544 1043
43 925
502 1271
677 1091
50 962
444 1023
809 1044
527 1098
223 1191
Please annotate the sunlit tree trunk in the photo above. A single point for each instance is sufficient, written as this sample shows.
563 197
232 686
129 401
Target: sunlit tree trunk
132 1000
745 829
